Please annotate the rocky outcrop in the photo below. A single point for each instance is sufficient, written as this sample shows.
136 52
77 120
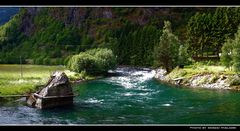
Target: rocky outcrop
27 20
204 81
57 92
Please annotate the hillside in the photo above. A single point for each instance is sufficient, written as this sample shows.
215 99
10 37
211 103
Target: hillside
50 35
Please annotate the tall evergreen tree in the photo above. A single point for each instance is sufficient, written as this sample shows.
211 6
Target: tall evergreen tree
231 52
236 51
226 55
166 51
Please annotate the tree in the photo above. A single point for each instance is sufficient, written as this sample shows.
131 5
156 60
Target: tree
226 55
183 56
231 52
236 51
208 31
194 34
166 51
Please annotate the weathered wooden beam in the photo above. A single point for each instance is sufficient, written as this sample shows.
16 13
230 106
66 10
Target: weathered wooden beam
180 78
47 97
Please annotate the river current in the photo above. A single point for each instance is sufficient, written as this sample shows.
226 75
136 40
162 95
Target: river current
132 97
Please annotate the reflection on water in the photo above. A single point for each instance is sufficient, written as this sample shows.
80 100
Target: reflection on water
132 97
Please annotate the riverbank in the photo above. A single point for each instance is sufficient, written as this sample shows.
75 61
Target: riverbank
201 76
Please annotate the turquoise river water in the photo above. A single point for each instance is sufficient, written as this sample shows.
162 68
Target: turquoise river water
132 97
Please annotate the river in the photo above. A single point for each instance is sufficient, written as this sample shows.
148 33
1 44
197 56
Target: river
132 97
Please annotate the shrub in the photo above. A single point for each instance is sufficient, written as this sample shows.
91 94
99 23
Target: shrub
83 62
94 61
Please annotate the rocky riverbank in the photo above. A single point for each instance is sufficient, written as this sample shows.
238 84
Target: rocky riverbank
202 80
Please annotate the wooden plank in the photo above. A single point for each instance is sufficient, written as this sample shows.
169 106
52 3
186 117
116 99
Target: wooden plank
178 78
49 97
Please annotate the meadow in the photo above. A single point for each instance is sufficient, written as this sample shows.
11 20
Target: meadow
13 83
17 80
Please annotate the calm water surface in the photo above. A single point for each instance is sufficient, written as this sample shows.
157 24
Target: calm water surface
132 98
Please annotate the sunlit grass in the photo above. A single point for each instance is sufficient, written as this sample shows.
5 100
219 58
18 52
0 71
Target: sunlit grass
201 69
12 83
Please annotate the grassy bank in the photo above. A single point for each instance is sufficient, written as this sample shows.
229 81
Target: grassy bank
203 75
190 71
11 82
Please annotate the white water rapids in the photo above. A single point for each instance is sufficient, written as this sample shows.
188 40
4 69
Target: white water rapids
132 78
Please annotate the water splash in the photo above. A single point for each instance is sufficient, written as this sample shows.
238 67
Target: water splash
132 78
166 104
94 100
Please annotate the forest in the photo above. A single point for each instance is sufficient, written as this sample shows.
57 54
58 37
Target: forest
50 36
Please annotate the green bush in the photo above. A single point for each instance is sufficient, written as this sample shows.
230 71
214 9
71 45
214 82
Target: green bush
94 61
83 62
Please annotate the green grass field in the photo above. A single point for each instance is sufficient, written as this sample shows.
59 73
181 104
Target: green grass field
11 82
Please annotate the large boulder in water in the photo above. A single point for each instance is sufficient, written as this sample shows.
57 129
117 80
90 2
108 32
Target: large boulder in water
57 92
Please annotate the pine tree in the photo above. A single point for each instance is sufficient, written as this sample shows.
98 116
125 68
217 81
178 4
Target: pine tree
166 51
236 51
183 57
231 52
226 55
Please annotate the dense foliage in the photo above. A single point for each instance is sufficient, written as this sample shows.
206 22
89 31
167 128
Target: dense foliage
134 45
231 52
50 35
183 55
226 55
94 61
208 31
10 37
